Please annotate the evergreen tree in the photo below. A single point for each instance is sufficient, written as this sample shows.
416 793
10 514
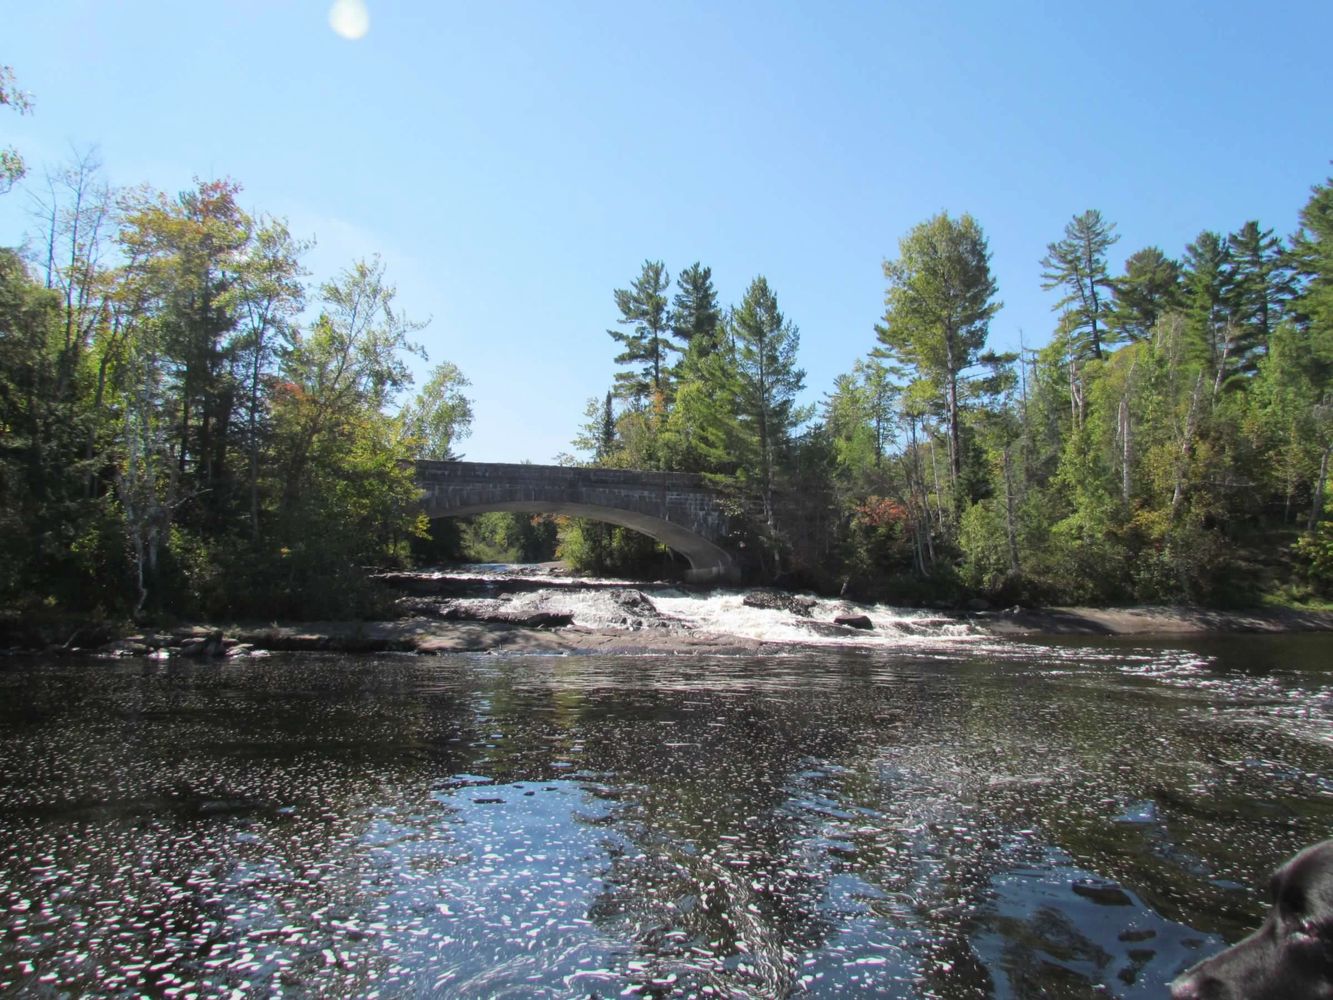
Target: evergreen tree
1261 285
606 429
1312 260
939 304
643 309
694 310
1077 264
767 383
1312 256
859 417
1149 287
184 259
1208 301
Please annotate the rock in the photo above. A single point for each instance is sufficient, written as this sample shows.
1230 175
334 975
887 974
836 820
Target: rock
1102 893
978 604
239 649
541 619
208 644
854 621
780 600
635 602
421 607
482 612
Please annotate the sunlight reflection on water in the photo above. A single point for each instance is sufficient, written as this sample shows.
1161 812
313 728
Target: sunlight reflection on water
1010 820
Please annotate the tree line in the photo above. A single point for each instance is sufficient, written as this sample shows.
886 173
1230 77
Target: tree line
189 424
1170 442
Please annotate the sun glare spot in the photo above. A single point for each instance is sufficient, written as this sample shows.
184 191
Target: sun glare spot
349 18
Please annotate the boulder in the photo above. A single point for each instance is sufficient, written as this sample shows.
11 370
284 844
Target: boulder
780 600
635 602
854 621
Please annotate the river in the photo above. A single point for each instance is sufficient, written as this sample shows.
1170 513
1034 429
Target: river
940 815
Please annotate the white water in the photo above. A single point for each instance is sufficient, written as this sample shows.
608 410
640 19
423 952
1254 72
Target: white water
600 604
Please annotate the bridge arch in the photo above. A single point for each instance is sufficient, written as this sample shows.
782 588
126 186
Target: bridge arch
676 509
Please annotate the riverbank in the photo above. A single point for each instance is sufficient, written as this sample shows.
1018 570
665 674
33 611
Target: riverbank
1151 621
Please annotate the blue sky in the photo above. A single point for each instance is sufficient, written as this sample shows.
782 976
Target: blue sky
514 162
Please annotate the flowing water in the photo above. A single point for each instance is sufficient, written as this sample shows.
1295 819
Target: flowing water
928 813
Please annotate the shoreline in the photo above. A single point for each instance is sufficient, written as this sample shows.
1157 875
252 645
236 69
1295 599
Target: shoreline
1152 621
432 636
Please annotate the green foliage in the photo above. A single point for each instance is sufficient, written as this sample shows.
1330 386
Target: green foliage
12 167
695 316
939 304
173 441
643 309
1149 289
508 537
608 549
1077 264
440 415
1315 550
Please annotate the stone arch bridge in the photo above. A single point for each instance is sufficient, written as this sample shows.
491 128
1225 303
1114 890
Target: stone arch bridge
677 509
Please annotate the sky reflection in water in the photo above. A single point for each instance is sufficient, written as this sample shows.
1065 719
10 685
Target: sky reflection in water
1007 821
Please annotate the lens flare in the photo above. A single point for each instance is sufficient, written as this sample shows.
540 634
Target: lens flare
349 18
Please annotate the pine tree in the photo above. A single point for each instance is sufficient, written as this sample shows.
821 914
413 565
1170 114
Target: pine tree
1149 287
1077 264
1208 301
767 382
1261 285
1312 257
643 309
938 308
694 311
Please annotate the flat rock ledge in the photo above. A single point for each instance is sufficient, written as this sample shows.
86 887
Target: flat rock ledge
1148 621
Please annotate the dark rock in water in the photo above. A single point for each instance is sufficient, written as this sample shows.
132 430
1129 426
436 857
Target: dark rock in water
780 600
542 619
1102 893
635 602
489 612
854 621
978 604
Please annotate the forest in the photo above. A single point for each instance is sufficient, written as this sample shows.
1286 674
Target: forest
190 426
1170 443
